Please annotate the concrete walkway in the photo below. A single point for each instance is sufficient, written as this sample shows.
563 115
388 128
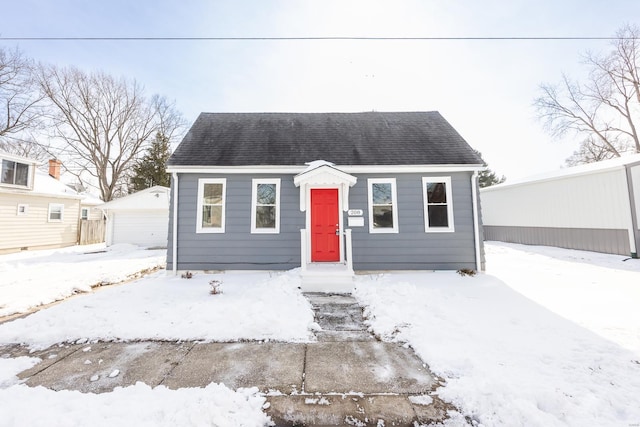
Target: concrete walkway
347 377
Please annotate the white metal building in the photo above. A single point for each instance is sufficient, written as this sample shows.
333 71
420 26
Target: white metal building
593 207
141 218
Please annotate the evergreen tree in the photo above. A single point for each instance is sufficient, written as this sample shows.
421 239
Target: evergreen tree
487 177
151 169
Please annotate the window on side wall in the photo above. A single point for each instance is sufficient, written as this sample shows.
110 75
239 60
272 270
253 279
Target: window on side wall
84 213
14 173
383 207
265 206
56 212
438 204
211 205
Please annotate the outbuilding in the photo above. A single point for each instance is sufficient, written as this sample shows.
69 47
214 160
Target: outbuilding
140 218
594 207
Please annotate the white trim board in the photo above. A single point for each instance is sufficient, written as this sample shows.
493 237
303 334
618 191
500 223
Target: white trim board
346 169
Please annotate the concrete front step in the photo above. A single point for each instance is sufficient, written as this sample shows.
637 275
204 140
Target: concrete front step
339 317
344 336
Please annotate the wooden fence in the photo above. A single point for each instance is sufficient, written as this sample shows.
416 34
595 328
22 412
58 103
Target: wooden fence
91 231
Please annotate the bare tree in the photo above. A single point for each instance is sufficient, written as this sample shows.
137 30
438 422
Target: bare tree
19 97
606 107
25 147
593 150
104 122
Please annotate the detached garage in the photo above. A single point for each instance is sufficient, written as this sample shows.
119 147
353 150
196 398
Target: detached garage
141 218
594 207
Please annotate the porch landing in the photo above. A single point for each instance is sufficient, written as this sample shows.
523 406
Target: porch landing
327 277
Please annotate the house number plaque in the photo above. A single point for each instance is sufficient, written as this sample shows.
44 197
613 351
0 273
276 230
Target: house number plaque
355 212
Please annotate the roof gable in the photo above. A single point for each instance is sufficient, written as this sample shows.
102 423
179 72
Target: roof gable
283 139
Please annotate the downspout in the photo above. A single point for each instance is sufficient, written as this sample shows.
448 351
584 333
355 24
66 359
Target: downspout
476 227
634 235
174 261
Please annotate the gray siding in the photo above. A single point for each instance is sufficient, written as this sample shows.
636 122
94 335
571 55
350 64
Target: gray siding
587 239
412 248
237 248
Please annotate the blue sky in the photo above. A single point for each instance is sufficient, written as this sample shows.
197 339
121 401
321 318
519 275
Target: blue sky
484 88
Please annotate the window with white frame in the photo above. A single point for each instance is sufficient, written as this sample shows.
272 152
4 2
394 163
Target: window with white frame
265 206
84 213
438 204
383 207
14 173
22 209
211 205
56 212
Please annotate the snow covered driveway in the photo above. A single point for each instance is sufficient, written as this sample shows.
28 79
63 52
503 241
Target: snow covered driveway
32 278
566 357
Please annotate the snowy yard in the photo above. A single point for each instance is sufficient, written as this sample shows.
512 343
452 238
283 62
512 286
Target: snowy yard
32 278
547 337
558 346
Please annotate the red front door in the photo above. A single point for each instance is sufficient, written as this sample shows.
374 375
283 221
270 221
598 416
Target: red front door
325 242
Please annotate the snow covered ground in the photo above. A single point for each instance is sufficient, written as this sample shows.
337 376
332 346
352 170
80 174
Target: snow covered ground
600 292
565 358
252 306
548 337
32 278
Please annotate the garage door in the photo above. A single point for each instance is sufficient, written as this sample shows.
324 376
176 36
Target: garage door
142 228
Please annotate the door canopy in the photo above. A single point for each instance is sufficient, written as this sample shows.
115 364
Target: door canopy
322 174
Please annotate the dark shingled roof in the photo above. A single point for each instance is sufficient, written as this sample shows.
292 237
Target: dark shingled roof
244 139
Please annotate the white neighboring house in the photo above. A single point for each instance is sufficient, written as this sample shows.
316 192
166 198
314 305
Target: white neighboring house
37 211
594 207
140 218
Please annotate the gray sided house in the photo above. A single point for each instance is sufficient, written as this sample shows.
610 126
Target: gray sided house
327 192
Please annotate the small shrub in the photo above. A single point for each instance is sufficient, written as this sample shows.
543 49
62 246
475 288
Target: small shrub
187 275
466 272
215 287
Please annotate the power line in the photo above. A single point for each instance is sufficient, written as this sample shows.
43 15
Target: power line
323 38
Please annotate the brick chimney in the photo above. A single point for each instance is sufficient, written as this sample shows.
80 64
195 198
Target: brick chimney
54 168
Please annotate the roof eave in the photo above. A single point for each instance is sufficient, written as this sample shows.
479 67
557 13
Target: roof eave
295 169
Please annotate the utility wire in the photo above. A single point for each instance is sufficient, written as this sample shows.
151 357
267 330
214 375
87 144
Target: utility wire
339 38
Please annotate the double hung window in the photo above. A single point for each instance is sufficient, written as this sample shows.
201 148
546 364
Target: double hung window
211 205
438 204
56 212
383 206
265 206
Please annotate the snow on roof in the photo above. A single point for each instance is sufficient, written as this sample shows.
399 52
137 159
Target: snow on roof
45 185
591 168
153 198
90 199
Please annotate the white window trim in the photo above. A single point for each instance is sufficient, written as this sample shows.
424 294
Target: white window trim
51 207
394 207
82 211
447 181
254 204
26 209
201 184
